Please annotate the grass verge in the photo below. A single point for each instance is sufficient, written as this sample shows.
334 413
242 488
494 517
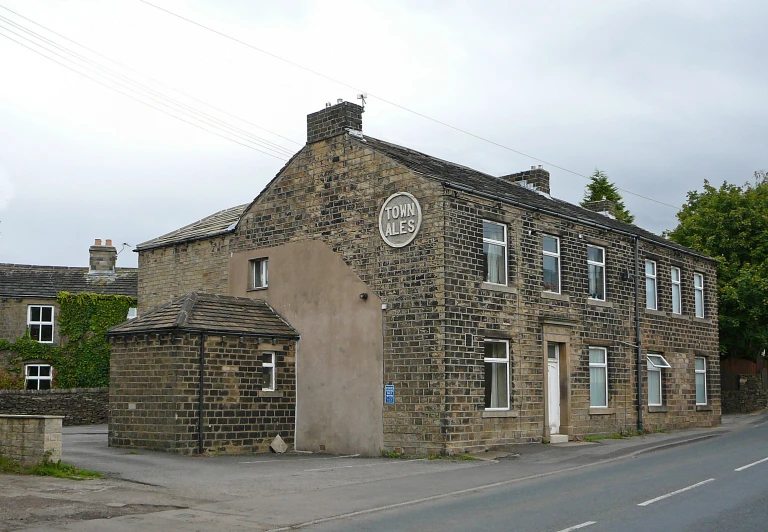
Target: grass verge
46 468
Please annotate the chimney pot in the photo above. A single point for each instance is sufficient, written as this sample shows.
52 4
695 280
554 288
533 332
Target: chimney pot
97 242
109 242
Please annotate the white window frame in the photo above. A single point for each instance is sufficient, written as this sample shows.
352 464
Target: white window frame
500 361
557 257
676 290
698 290
41 323
702 372
656 364
493 242
272 385
133 313
37 378
651 279
604 366
262 266
596 264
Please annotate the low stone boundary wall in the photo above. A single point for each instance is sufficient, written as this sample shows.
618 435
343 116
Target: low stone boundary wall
28 439
78 406
750 396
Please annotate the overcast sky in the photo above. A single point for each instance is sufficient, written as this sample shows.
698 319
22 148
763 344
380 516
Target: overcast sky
660 95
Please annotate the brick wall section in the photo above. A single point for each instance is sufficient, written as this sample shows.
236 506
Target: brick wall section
750 397
13 316
155 393
332 122
338 203
78 406
174 270
28 439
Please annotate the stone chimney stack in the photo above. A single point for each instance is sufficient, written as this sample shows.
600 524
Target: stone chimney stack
334 120
604 207
103 258
538 178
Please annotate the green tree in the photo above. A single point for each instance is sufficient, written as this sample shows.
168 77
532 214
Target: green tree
730 223
599 188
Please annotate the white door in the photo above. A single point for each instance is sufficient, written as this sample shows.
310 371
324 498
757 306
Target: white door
553 387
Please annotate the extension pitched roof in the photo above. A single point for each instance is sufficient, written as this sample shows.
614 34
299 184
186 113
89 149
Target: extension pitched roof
22 280
196 312
216 224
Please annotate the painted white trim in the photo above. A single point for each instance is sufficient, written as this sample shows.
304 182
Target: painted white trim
42 322
38 377
599 264
273 364
263 264
698 311
697 371
495 360
676 285
557 256
499 243
652 277
604 365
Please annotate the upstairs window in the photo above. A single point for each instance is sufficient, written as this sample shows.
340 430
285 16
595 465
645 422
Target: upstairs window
40 323
259 273
596 267
676 307
495 252
551 261
701 380
650 284
268 372
698 291
38 376
496 374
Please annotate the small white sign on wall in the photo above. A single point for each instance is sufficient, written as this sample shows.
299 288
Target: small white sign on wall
399 219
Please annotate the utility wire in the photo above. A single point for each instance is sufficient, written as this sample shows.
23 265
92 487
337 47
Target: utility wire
394 104
153 94
150 77
137 99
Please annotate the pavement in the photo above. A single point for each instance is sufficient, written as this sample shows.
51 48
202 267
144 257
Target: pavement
146 490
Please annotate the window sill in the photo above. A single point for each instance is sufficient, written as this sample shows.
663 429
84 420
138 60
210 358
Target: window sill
557 297
266 393
257 289
653 312
598 411
498 288
679 316
600 303
499 413
657 409
701 320
704 408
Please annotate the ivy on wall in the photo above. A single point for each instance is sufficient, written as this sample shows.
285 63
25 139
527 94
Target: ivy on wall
82 358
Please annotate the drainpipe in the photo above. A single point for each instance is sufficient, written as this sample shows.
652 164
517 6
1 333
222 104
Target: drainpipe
201 365
637 339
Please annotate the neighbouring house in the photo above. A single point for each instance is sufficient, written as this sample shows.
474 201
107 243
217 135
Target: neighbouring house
28 301
439 310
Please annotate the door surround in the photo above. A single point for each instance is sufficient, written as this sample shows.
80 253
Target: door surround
557 331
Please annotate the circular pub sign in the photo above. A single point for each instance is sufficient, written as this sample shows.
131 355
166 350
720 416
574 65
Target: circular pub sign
399 219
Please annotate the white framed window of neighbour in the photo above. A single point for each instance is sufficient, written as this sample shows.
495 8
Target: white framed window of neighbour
676 303
551 249
132 313
596 267
40 323
598 377
650 284
38 376
701 380
495 252
268 372
656 366
496 374
698 294
259 273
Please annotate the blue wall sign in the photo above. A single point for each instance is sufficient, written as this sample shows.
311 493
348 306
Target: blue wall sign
389 394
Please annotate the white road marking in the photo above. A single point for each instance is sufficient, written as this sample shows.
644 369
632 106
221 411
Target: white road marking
576 527
742 468
646 503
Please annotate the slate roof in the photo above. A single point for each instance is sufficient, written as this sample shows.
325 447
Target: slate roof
216 224
22 280
196 312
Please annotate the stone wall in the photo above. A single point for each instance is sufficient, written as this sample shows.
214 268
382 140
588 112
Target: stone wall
177 269
13 316
155 393
750 397
30 439
78 406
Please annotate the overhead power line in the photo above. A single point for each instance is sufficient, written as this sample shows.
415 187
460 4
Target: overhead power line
389 102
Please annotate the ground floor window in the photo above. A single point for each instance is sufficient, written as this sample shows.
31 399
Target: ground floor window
38 376
598 377
496 374
701 380
656 365
268 372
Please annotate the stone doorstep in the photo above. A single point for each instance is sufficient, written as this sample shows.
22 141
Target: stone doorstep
558 438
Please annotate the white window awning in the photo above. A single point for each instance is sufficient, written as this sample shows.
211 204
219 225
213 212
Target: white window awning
657 362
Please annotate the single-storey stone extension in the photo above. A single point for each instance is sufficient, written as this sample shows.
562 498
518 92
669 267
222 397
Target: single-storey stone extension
440 309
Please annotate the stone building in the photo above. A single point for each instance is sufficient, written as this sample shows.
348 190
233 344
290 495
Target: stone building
445 310
28 299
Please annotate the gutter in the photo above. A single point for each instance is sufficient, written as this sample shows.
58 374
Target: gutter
638 347
201 365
